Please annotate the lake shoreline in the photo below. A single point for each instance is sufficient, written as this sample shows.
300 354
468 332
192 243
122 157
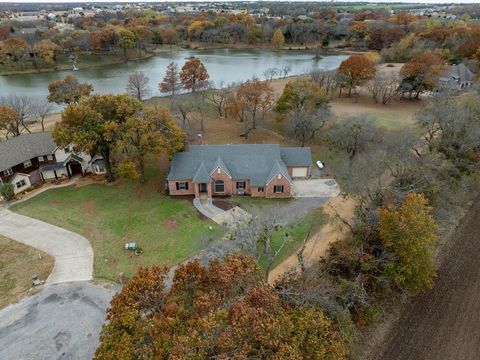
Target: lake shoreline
162 50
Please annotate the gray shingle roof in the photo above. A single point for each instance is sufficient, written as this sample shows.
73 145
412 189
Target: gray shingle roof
25 147
296 156
202 175
458 72
254 162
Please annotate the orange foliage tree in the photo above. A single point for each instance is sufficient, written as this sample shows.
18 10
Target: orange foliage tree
221 311
193 75
421 73
355 71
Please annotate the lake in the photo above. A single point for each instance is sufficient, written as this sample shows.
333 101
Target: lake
225 66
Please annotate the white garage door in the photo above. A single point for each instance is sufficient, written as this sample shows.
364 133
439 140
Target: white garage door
299 172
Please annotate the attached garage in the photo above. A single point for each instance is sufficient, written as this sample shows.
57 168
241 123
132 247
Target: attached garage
300 172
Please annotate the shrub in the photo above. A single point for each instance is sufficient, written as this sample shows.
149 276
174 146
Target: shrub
6 190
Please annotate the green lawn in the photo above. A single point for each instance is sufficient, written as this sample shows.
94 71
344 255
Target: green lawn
296 232
168 230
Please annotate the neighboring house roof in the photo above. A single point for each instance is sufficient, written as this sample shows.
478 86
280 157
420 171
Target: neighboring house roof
74 158
455 74
25 147
254 162
95 159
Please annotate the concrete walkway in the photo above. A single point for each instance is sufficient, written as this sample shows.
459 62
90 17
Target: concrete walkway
229 218
73 253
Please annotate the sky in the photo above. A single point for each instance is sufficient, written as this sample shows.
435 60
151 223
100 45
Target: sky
130 1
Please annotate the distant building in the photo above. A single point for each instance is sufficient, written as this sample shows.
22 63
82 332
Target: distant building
456 77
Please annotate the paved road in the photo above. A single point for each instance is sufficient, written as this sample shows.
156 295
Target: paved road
61 322
444 323
73 253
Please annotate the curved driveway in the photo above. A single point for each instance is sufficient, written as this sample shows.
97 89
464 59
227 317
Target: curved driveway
73 253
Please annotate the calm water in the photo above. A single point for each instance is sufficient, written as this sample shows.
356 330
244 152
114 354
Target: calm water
224 66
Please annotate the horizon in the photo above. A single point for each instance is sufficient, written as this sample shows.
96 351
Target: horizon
429 2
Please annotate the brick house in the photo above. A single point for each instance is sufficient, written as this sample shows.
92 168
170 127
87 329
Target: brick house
261 170
32 158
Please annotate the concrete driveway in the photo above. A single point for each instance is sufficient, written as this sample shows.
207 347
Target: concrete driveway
61 322
315 188
73 253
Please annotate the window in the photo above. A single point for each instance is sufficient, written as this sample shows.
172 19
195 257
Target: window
261 189
20 184
49 157
219 186
8 172
99 168
182 185
41 159
278 189
27 164
241 185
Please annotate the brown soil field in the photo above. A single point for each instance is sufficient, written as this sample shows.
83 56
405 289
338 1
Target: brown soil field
443 323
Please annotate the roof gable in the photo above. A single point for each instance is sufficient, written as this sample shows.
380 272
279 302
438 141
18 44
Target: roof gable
25 147
220 164
277 168
202 175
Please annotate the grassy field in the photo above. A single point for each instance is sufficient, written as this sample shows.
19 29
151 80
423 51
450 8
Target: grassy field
168 230
296 232
18 263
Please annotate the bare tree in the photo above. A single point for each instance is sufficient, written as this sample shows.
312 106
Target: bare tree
286 69
183 112
24 106
216 99
384 87
256 238
354 134
137 86
270 73
303 123
41 109
328 81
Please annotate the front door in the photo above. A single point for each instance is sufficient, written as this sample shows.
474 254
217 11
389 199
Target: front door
202 187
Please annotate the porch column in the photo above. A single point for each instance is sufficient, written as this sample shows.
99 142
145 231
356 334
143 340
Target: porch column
197 190
209 190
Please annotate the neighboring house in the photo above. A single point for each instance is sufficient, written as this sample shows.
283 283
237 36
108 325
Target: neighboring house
259 170
22 156
456 77
31 158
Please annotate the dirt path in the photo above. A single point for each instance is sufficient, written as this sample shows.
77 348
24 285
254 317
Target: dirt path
318 244
443 324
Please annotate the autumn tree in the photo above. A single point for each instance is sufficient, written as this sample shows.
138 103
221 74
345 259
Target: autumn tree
171 81
278 39
421 74
47 51
14 51
8 121
356 71
300 94
303 124
252 97
68 91
94 125
221 311
151 132
126 40
193 75
137 85
409 237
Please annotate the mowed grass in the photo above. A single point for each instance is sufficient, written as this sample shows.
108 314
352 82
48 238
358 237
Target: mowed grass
296 232
168 230
18 263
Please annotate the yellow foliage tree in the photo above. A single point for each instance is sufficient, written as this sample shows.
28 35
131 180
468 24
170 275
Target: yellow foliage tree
278 40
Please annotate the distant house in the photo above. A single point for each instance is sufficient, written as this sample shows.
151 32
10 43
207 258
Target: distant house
29 159
456 77
261 170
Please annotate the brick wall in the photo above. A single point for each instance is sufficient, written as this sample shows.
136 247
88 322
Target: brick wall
172 188
278 180
255 193
219 174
